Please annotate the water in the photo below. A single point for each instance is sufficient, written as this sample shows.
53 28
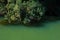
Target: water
49 31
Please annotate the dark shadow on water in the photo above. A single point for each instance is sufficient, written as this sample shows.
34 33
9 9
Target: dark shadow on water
46 20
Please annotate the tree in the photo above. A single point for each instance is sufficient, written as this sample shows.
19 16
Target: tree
24 12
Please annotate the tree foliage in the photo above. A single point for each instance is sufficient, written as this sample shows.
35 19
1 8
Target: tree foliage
25 12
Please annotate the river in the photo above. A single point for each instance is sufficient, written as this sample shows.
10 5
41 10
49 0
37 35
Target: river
48 31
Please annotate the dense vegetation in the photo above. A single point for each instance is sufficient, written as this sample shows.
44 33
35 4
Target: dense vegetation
20 11
28 11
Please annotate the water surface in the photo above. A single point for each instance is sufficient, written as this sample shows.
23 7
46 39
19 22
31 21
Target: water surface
48 31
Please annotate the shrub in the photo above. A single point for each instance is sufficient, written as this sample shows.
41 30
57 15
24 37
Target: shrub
26 12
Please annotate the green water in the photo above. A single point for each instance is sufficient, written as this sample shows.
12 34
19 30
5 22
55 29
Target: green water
48 31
